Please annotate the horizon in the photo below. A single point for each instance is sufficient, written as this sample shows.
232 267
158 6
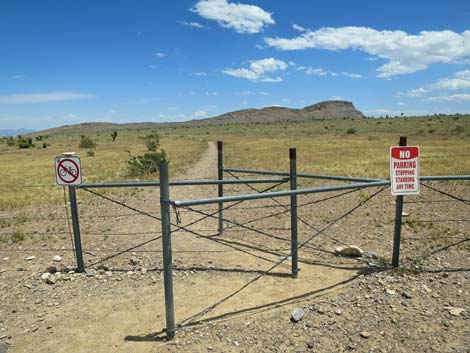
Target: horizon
69 63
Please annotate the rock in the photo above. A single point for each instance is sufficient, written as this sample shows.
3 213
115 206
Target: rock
45 276
297 314
51 269
134 261
426 289
407 295
369 255
57 258
365 334
338 312
102 267
51 279
404 214
390 291
349 250
143 270
90 272
454 311
30 258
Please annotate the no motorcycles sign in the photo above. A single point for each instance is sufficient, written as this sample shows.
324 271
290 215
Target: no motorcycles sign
404 170
68 171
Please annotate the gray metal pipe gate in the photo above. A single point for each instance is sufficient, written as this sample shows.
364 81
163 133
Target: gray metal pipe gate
291 176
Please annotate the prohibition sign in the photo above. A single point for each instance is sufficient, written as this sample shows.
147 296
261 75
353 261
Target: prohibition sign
68 172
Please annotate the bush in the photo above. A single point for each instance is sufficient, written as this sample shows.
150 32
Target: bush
114 135
148 163
90 153
11 142
152 141
351 131
86 142
151 160
24 142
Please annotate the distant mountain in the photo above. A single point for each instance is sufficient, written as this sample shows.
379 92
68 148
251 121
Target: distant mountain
323 110
14 132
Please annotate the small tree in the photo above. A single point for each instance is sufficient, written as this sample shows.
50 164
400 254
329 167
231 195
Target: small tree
151 160
86 142
114 135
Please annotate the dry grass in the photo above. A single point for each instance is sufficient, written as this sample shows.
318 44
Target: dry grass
27 176
323 147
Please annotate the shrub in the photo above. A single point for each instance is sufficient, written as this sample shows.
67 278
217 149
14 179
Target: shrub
11 142
24 142
151 160
152 141
90 153
114 135
351 131
86 142
148 163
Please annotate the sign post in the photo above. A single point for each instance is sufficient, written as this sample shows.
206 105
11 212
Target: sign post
404 177
68 173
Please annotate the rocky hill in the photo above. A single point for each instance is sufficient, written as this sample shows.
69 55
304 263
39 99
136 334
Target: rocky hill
322 110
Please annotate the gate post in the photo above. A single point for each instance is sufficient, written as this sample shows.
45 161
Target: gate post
398 219
220 187
293 211
167 256
76 229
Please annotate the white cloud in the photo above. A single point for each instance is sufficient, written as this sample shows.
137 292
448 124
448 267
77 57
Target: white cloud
460 81
405 53
321 72
460 97
199 74
348 74
312 71
240 17
402 104
417 92
160 55
259 69
193 24
32 98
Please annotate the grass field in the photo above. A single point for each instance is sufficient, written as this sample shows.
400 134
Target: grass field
339 147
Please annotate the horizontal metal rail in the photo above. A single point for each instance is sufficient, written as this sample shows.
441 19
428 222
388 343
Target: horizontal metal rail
302 175
445 177
182 183
278 194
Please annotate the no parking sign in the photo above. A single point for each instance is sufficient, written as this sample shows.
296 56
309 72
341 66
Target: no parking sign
68 170
404 170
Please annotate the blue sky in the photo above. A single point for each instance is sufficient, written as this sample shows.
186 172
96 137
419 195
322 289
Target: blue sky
71 61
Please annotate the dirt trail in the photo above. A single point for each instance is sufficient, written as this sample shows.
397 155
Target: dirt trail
107 315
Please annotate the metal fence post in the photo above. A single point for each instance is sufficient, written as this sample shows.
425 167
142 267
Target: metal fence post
293 211
167 256
398 220
220 188
76 229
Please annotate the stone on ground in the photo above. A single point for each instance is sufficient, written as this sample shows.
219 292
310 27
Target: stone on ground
349 250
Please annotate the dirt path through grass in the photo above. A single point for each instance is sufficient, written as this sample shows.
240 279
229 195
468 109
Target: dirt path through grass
122 312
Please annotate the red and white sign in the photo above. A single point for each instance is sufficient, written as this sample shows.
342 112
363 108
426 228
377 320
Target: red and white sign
68 170
404 170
